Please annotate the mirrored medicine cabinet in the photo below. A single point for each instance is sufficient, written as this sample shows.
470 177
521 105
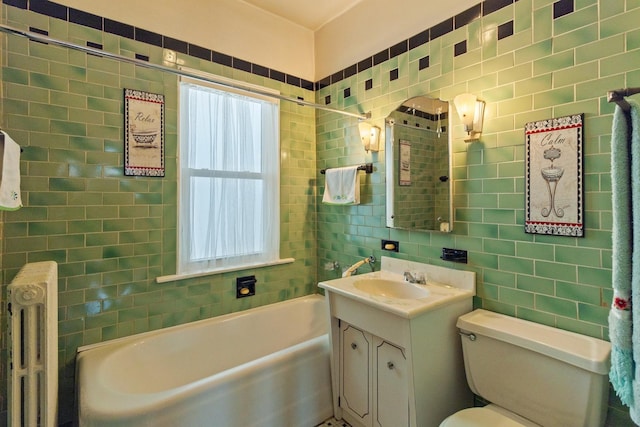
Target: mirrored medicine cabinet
418 166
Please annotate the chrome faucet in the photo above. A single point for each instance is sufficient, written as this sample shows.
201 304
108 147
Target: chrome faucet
416 277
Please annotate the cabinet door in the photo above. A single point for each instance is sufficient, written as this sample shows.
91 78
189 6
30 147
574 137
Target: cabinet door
392 386
355 376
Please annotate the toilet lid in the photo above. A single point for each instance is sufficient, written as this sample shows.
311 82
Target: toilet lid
482 417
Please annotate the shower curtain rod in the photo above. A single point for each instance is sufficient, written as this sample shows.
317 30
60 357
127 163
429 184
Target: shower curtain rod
618 96
97 52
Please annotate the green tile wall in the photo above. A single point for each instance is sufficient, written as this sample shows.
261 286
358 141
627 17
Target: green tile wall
548 68
113 235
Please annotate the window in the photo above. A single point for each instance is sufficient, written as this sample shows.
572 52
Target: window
229 179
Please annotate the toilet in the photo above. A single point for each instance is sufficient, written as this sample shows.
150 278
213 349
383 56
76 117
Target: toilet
532 374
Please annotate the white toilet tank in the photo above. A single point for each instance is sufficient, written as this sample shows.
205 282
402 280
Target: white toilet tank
547 375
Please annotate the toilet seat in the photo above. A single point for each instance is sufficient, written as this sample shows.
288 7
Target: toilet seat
487 416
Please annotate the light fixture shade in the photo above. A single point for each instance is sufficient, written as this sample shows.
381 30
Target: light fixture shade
471 112
465 105
370 136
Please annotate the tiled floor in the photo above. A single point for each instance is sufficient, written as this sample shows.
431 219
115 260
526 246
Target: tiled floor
332 422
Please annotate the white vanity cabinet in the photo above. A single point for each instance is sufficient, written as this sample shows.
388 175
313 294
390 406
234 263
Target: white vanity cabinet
397 361
372 371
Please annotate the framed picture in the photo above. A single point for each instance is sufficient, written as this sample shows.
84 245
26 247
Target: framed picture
143 133
404 167
553 179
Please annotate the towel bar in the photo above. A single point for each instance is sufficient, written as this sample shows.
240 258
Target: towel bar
367 167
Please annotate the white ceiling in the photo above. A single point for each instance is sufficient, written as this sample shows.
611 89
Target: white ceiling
311 14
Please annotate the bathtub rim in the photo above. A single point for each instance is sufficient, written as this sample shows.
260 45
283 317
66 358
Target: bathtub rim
141 335
145 401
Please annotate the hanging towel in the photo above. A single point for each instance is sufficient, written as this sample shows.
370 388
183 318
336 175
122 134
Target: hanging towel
342 186
10 199
635 259
620 326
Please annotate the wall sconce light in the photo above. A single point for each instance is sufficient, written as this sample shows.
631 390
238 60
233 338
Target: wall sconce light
471 112
370 136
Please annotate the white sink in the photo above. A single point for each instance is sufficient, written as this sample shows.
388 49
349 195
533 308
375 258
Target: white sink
391 288
386 290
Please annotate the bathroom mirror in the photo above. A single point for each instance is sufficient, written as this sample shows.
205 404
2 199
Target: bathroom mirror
418 162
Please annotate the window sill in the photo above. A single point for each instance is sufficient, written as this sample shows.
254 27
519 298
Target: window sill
174 277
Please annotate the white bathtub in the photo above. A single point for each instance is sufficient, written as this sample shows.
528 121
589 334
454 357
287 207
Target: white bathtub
267 366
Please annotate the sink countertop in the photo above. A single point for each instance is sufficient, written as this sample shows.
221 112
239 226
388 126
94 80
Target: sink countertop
444 285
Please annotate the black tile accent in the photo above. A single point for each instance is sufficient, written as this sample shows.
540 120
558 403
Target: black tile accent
241 64
365 64
175 44
423 63
83 18
562 7
199 51
419 39
327 100
260 70
49 8
468 16
149 37
306 84
368 84
221 58
460 48
393 75
505 30
39 31
118 28
442 28
22 4
380 57
490 6
142 57
350 71
398 49
277 75
292 80
323 83
95 45
347 92
339 76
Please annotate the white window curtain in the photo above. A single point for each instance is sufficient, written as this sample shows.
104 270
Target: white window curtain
229 198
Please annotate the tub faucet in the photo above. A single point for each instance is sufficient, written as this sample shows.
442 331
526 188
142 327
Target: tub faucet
416 277
354 268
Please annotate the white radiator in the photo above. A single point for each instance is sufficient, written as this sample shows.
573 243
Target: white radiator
33 346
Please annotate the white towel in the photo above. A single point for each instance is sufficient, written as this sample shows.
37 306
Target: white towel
10 199
342 186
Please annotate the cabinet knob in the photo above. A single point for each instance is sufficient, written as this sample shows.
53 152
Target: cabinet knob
390 365
354 345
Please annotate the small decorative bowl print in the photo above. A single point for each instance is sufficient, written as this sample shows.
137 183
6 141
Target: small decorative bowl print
144 137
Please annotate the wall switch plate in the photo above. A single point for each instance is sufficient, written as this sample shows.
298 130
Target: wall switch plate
454 255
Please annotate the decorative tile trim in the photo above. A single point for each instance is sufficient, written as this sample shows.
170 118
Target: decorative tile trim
75 16
438 30
505 30
55 10
562 7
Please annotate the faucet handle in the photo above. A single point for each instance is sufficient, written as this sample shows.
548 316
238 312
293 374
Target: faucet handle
416 277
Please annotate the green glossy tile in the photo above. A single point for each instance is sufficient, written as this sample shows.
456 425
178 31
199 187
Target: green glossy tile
517 297
554 270
561 307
